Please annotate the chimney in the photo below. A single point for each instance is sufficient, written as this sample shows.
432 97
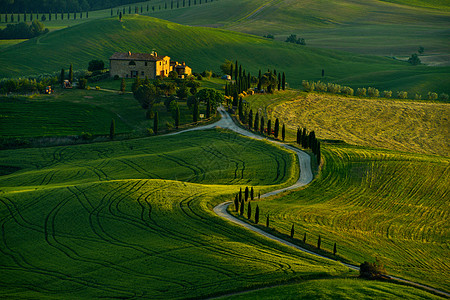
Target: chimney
183 63
129 53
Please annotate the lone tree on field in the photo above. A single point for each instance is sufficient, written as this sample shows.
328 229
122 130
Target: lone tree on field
155 123
334 249
112 129
283 132
319 241
249 211
372 270
292 231
257 214
414 59
267 221
304 238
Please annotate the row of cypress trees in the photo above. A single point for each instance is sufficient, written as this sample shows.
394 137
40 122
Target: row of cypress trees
309 141
43 16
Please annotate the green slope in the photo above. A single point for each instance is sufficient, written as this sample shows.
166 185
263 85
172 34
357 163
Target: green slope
206 48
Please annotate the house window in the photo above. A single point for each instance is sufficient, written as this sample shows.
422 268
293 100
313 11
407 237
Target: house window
145 63
142 73
134 74
132 63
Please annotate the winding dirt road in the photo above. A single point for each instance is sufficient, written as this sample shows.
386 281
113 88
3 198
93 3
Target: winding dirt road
305 178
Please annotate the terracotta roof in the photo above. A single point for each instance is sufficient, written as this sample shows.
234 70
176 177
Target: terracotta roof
135 56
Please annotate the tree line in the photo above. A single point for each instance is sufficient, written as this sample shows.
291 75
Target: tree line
23 30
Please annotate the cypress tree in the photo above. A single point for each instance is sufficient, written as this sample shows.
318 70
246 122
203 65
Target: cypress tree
251 194
155 123
277 128
240 194
292 231
323 72
195 112
250 119
279 81
269 127
241 110
122 85
257 214
256 124
71 73
87 15
319 155
283 132
236 71
249 211
283 82
111 12
259 81
262 125
311 138
62 76
240 71
129 10
246 193
177 117
120 16
236 203
304 139
208 108
304 238
299 136
74 15
241 212
267 221
334 249
231 71
259 195
62 16
319 241
112 129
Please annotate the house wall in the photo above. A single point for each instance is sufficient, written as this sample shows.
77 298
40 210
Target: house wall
123 69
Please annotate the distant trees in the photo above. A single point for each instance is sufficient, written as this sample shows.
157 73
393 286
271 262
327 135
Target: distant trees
146 95
372 270
414 59
23 30
96 65
293 39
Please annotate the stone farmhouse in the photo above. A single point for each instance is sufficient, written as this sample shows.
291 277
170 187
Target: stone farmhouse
130 65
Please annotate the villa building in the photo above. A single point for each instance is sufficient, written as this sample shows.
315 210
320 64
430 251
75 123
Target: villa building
130 65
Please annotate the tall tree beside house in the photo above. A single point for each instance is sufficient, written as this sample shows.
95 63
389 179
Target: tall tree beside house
261 126
257 214
71 73
256 124
283 132
112 129
195 112
276 130
62 76
122 85
155 123
177 117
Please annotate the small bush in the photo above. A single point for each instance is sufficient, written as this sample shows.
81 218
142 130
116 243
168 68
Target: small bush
373 92
347 90
432 96
321 86
116 77
402 95
443 97
372 270
97 88
149 131
387 94
334 88
308 86
87 136
361 92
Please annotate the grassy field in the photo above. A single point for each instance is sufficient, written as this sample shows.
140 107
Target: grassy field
71 112
371 202
105 220
411 126
206 48
337 289
375 203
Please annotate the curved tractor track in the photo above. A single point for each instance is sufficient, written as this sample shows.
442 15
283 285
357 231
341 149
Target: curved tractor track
305 178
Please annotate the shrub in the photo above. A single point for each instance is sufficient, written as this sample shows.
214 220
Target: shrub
387 94
371 270
334 88
149 131
361 92
417 96
82 82
373 92
443 97
347 90
116 77
402 95
308 86
97 88
86 136
320 86
432 96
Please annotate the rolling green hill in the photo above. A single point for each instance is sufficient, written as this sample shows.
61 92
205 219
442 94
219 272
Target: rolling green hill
206 48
